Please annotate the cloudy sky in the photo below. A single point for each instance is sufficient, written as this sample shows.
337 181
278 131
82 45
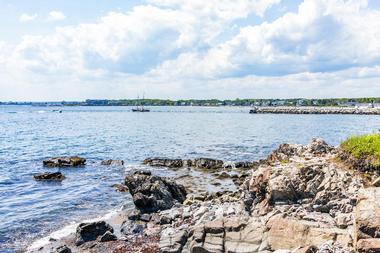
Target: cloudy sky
73 50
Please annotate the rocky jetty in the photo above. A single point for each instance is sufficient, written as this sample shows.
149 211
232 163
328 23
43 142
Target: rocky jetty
69 161
301 199
55 176
314 110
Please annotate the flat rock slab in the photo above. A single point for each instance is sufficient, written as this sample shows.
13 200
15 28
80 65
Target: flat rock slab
69 161
56 176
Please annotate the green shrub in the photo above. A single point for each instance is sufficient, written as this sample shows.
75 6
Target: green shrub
364 147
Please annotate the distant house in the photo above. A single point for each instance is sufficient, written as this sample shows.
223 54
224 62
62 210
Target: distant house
301 102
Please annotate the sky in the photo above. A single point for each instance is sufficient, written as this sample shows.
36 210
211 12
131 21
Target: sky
180 49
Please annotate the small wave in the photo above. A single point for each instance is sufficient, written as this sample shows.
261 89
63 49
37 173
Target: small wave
67 230
41 111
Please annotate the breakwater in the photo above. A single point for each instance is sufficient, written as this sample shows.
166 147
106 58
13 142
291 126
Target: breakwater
315 110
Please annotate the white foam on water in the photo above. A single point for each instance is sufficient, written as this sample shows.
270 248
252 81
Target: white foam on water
66 231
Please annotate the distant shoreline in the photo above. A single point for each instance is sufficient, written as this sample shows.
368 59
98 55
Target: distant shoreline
291 102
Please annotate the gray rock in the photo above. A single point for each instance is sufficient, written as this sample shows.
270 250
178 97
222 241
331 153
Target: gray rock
112 162
153 193
56 176
207 163
173 242
63 249
164 162
90 231
69 161
107 237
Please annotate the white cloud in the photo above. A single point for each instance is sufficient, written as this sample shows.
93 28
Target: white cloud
27 17
220 9
56 16
323 36
178 48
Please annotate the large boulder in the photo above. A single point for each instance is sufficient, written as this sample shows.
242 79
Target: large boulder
91 231
55 176
152 193
69 161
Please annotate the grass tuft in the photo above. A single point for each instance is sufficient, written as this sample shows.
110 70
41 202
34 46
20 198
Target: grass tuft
364 147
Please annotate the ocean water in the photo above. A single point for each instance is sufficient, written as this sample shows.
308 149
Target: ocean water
30 209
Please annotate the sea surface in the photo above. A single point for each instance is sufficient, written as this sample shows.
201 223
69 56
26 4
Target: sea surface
31 209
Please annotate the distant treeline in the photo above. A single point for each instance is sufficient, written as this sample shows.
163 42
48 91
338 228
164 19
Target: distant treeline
211 102
235 102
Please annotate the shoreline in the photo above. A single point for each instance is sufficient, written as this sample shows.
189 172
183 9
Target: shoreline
315 110
301 191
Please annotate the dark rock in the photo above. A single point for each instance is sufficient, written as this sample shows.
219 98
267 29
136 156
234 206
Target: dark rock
223 175
165 219
63 249
70 161
107 237
245 165
50 176
112 162
90 231
134 215
319 146
130 227
207 163
153 193
164 162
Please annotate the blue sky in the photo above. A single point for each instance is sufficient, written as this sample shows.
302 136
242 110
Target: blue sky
73 50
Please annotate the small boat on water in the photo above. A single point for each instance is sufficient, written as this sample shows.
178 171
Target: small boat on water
140 107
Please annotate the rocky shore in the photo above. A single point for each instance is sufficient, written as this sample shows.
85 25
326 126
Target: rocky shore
301 199
315 110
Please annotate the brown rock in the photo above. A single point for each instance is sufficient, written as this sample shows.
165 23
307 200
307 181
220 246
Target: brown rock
290 233
367 214
57 176
69 161
368 245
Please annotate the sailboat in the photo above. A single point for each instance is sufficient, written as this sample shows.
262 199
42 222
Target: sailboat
140 108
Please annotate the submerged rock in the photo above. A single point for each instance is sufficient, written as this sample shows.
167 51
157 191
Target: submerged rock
70 161
112 162
207 163
56 176
90 231
164 162
153 193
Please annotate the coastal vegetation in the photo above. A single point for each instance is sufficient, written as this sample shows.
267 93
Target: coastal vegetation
366 147
344 102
